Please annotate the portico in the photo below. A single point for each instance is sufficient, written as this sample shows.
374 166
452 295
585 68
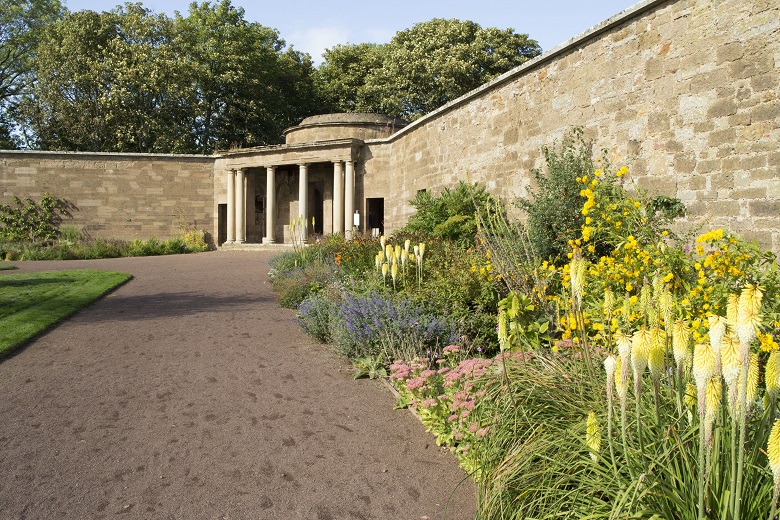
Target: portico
311 185
284 193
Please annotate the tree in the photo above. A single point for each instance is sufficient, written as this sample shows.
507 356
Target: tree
107 82
128 80
20 24
422 68
246 86
341 79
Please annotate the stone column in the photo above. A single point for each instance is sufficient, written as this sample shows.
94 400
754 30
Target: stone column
349 198
240 208
231 207
338 197
270 203
303 191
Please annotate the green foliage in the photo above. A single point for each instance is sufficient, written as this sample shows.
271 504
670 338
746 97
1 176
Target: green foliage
519 325
295 284
245 86
341 79
194 241
554 213
30 303
422 68
315 316
20 24
449 216
33 221
370 367
128 80
108 81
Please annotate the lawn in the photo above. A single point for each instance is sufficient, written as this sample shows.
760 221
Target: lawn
30 303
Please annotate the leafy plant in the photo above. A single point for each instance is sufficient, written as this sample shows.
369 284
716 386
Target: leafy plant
370 367
451 215
554 213
314 317
33 221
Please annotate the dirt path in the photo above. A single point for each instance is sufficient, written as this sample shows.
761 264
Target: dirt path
188 393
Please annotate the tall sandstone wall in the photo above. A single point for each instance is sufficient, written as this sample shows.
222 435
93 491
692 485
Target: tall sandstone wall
120 196
685 93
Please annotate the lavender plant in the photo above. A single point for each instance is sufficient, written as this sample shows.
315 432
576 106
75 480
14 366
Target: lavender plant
377 323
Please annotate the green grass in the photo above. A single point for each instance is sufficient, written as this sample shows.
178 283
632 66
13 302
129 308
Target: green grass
30 303
7 267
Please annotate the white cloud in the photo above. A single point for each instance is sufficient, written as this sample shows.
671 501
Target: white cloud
317 39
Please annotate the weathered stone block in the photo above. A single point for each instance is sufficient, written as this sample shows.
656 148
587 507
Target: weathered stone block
764 208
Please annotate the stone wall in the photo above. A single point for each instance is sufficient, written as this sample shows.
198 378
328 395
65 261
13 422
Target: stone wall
121 196
685 93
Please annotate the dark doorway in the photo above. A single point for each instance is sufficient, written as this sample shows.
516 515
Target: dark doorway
375 223
221 224
318 209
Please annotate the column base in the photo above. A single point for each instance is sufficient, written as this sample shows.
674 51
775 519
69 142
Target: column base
267 240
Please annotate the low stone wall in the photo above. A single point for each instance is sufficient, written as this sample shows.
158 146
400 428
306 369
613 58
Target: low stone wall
684 92
120 196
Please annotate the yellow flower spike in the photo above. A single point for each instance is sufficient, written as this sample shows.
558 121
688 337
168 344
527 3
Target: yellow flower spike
383 241
666 306
703 371
422 249
645 298
389 251
712 399
717 326
748 317
407 243
657 352
610 365
681 340
640 351
621 380
773 452
593 436
689 399
772 373
384 270
752 386
731 366
397 251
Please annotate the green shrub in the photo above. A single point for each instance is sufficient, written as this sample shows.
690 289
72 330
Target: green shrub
555 212
449 216
294 285
69 234
33 221
174 246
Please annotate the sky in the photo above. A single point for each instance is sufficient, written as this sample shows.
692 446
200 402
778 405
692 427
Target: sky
314 25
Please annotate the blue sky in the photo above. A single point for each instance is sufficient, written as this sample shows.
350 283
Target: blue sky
314 25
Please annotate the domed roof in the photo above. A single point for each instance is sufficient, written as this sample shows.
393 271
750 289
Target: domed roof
325 127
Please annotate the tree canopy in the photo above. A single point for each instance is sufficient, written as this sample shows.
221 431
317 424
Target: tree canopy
20 24
422 68
130 80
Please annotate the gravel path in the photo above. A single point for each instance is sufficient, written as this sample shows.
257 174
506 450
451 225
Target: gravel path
188 393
